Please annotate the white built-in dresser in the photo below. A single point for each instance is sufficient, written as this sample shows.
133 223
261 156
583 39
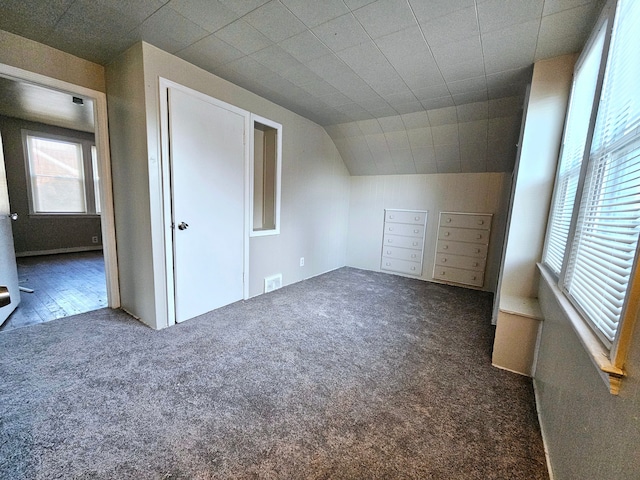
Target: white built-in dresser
461 251
403 241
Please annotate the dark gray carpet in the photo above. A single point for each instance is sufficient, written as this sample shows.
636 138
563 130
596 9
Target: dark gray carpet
350 375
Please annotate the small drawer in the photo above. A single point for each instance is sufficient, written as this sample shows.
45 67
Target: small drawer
404 229
459 261
401 266
463 235
465 220
459 248
404 216
403 242
458 275
402 253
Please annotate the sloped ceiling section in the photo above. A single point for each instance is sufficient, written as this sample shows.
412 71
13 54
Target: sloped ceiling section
332 61
475 137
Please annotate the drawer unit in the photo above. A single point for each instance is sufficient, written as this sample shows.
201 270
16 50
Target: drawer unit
402 253
460 248
458 275
404 229
465 220
405 216
403 241
470 235
459 261
461 251
402 266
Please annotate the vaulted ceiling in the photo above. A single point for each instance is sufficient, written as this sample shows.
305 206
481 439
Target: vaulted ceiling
333 61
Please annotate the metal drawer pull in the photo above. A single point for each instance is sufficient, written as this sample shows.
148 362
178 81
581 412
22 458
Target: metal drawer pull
416 218
444 259
445 247
480 222
413 268
478 236
446 234
413 255
448 220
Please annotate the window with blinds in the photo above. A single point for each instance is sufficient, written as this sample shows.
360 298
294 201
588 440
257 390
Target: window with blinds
596 211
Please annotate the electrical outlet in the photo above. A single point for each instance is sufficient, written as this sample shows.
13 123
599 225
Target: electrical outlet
94 239
302 261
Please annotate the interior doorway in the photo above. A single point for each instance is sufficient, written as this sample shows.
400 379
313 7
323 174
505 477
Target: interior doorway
74 262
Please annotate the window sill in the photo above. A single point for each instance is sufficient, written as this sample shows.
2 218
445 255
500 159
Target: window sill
65 215
600 356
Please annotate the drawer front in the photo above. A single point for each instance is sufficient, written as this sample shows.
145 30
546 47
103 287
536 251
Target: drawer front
458 275
402 253
457 220
404 242
401 266
463 235
459 248
401 216
404 229
459 261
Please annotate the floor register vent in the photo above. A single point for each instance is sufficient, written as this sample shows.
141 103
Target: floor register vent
272 283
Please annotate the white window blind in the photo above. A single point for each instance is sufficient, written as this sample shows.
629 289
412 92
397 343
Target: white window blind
57 175
573 148
608 223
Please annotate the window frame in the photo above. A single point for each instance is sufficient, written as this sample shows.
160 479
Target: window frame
610 360
253 232
91 196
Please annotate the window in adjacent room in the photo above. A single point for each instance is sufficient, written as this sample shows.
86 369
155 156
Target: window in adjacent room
265 178
594 224
62 174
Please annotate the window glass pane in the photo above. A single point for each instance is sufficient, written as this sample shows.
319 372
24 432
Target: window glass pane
57 176
604 247
574 142
96 177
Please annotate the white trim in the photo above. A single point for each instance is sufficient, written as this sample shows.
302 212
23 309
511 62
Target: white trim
167 275
55 251
542 432
88 187
107 219
269 123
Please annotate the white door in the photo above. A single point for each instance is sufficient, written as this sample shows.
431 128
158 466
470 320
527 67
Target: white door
8 269
207 199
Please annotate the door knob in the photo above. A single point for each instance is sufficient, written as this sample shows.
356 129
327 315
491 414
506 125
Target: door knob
5 298
13 216
183 226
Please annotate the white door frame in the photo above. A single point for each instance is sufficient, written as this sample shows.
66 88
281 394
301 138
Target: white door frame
164 85
107 219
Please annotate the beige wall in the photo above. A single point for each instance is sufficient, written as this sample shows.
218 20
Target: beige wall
41 233
315 183
462 192
535 175
127 130
35 57
589 433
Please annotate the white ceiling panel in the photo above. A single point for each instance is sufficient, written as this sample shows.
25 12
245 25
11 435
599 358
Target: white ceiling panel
432 9
341 33
337 61
210 52
385 16
275 21
453 27
499 14
313 13
243 37
209 14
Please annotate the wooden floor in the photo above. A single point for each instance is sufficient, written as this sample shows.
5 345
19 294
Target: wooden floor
63 284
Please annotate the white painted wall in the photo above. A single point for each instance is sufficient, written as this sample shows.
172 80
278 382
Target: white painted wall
535 175
315 182
461 192
131 184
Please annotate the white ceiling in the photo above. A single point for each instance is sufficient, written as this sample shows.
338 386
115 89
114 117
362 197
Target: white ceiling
333 61
39 104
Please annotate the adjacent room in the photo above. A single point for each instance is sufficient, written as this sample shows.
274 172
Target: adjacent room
300 239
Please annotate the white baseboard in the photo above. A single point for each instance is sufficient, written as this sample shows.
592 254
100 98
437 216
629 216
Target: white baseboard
55 251
544 437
